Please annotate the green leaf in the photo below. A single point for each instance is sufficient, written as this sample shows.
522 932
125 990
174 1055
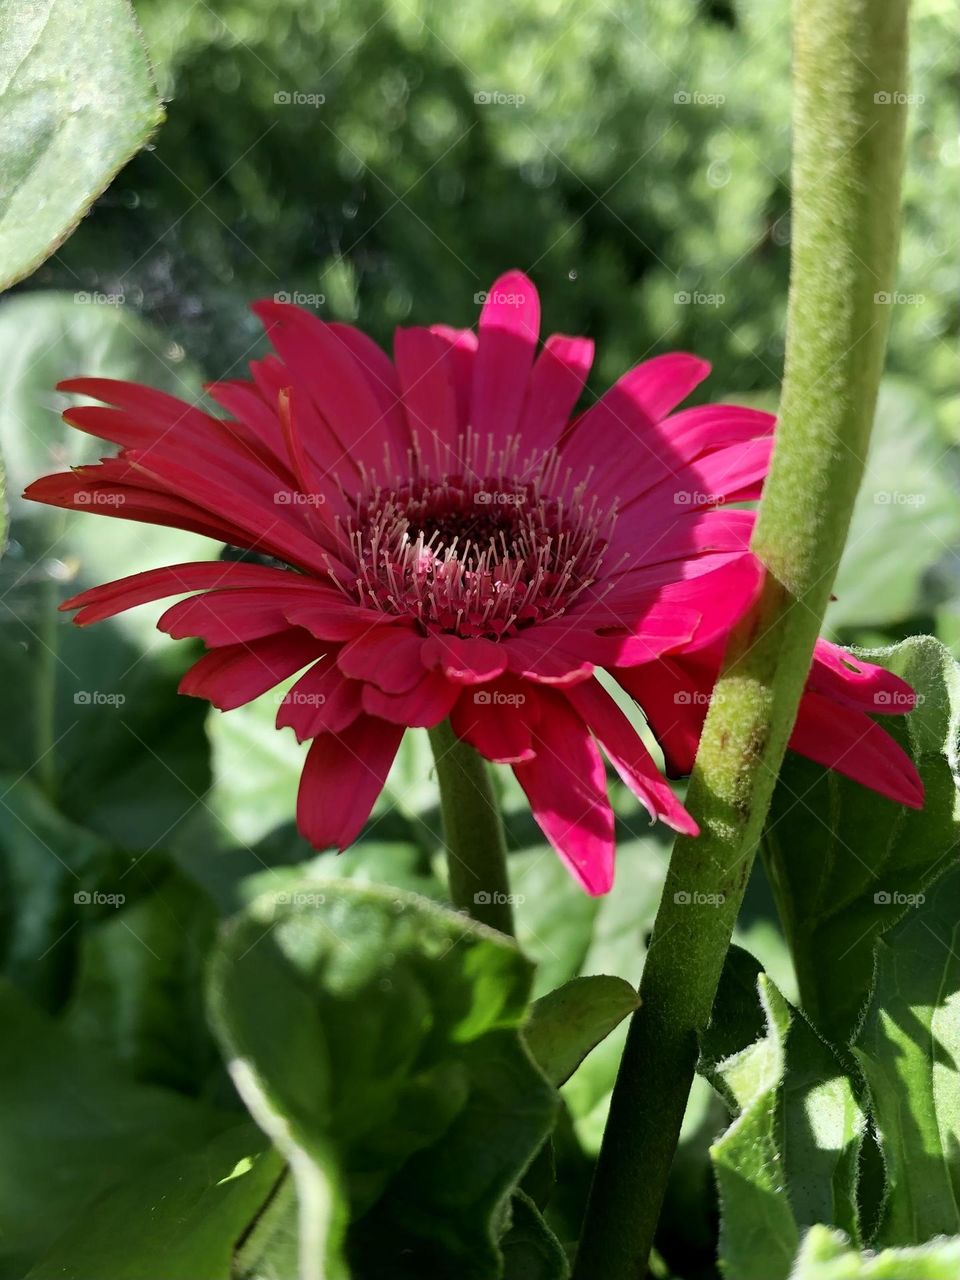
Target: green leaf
256 774
92 713
566 1024
909 1050
113 940
191 1212
906 515
370 862
271 1249
138 984
376 1038
256 769
617 945
530 1249
789 1160
71 1128
77 100
45 861
737 1018
828 1255
555 918
847 864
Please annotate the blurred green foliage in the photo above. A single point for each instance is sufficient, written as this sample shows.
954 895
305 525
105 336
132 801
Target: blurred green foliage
627 153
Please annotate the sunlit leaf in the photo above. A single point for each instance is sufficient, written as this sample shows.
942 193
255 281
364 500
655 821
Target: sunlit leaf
789 1159
909 1049
847 864
376 1038
828 1255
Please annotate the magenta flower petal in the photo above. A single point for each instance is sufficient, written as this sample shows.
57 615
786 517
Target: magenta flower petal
628 755
832 727
235 674
339 387
464 661
425 365
112 598
343 775
321 701
566 784
425 705
556 384
848 741
498 721
388 657
461 345
509 328
847 679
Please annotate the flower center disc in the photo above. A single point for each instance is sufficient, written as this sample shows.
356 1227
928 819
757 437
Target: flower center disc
476 557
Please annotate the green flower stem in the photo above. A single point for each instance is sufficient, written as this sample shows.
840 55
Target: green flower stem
848 117
473 827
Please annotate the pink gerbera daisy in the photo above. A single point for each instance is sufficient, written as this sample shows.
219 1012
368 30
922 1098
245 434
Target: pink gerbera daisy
446 540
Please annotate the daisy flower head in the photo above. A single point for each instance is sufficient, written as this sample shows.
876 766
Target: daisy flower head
442 535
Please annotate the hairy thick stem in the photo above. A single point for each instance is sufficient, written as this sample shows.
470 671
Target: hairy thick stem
848 117
473 829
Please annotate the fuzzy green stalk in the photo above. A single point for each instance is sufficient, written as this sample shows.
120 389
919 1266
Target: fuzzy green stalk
848 121
473 831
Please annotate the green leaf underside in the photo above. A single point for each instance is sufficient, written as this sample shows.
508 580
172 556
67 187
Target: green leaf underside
790 1159
566 1024
77 100
71 1110
181 1218
530 1249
